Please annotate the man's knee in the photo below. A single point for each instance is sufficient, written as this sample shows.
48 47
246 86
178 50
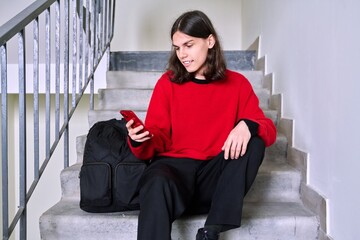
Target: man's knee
257 144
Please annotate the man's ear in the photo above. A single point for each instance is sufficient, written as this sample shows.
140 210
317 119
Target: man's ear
211 41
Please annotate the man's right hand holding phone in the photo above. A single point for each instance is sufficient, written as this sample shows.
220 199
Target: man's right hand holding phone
135 133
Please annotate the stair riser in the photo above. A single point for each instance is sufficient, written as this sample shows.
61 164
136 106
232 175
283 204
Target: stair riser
131 80
124 99
157 61
138 99
147 80
277 151
268 186
101 115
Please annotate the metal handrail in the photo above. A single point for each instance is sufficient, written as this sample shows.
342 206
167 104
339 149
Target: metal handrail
91 33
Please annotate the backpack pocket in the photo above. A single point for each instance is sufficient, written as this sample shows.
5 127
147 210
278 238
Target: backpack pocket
95 185
127 177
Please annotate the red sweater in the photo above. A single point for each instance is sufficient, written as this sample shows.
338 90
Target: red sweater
193 119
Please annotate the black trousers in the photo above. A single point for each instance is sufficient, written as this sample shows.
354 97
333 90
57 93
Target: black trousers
172 187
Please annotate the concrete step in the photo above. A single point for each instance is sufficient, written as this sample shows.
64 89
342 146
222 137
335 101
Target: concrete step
138 99
135 99
132 79
274 153
276 182
270 221
147 79
101 115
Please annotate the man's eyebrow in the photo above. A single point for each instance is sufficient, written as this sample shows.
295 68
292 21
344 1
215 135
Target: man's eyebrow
183 43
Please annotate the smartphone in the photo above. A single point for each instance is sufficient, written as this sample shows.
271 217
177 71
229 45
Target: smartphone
128 115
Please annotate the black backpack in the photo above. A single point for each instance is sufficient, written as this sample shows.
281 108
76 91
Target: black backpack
110 172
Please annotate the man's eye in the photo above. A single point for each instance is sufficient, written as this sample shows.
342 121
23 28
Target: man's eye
189 46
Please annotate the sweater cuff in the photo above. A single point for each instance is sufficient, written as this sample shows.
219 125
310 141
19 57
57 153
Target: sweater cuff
253 126
133 143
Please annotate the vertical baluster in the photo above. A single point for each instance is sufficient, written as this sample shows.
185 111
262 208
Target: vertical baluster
36 97
105 29
92 53
57 70
108 30
74 52
66 81
99 28
81 44
107 7
4 143
87 39
113 19
108 19
97 32
22 131
47 80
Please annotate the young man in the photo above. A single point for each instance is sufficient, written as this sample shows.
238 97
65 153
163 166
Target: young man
208 137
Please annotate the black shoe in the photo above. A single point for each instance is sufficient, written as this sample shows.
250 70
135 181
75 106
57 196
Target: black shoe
204 234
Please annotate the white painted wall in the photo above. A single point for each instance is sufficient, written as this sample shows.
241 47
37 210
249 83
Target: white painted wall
145 25
11 8
313 49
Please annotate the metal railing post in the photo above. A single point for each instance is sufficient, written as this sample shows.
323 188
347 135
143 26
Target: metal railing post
92 52
66 81
22 131
57 69
81 44
4 143
47 81
36 97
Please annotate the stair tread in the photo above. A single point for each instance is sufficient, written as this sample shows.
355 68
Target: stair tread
250 210
116 98
271 221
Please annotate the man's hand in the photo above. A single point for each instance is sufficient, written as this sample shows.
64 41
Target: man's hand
237 141
133 132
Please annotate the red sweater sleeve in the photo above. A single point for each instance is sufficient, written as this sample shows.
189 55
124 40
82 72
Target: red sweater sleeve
249 109
158 115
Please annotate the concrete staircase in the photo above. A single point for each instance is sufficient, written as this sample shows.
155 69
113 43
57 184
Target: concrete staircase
273 208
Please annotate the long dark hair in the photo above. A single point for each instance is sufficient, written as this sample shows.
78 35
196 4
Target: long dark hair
197 24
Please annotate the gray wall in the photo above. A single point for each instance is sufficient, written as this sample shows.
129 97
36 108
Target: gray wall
313 49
